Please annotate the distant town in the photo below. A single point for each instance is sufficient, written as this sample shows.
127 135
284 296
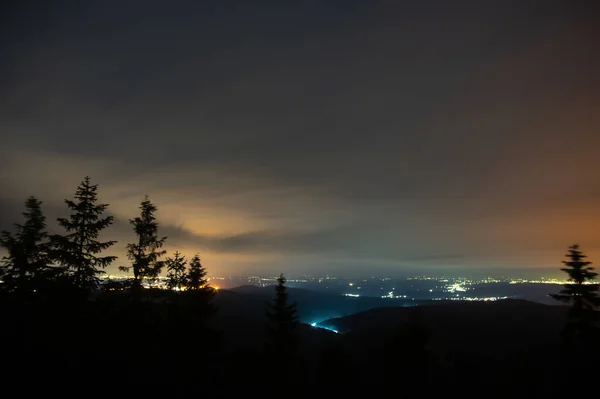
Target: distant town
415 288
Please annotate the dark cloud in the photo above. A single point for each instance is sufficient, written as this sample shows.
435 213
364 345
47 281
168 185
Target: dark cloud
341 241
388 130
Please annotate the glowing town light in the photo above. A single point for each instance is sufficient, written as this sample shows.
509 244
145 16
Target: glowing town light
456 287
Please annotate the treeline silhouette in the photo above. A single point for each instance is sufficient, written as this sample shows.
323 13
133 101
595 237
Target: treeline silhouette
65 331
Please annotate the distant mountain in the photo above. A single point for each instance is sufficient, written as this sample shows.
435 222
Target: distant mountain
315 306
241 312
367 323
252 289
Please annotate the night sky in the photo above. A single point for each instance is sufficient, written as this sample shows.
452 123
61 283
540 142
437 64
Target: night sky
304 136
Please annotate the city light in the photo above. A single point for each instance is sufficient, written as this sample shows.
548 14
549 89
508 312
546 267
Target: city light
456 287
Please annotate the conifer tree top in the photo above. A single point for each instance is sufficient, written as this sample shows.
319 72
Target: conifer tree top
78 249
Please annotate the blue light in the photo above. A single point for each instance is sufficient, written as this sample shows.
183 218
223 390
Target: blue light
329 329
315 324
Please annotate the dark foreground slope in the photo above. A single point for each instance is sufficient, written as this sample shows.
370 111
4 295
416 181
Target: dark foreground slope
500 346
165 344
470 327
240 319
488 349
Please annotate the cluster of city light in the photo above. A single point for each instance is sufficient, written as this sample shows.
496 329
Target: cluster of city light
547 281
427 278
442 279
393 296
159 283
490 280
456 287
448 284
476 299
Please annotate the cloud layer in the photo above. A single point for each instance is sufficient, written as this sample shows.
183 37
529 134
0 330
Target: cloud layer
328 135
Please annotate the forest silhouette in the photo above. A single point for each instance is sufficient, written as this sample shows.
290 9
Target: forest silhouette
66 330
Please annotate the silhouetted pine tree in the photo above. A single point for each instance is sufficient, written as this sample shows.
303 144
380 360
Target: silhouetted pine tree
199 293
77 250
582 295
196 276
27 249
176 272
282 321
145 254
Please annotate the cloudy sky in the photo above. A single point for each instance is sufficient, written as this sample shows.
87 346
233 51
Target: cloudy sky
315 135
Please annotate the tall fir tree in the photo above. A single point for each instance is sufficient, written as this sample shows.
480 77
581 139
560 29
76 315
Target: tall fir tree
79 248
27 258
196 276
199 293
580 293
282 320
176 272
146 253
